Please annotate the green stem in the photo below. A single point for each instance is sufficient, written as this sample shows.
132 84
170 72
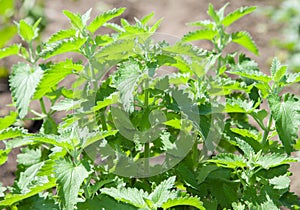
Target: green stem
103 121
43 107
147 144
93 77
266 133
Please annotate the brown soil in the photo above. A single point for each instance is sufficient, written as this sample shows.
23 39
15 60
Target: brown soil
176 14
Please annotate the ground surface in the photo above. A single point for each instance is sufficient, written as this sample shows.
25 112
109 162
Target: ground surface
175 13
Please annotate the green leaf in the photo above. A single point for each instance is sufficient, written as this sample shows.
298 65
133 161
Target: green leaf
104 202
277 71
75 19
54 75
29 156
3 159
236 15
98 136
253 74
66 104
229 160
272 160
184 201
62 34
41 201
7 33
147 18
280 182
29 178
162 192
11 199
212 13
131 196
60 47
26 31
8 51
12 133
56 140
293 78
204 34
126 80
69 179
8 120
23 82
239 106
112 99
206 24
244 39
103 18
287 120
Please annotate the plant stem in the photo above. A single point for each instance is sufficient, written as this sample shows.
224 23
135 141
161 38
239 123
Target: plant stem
266 133
43 106
147 144
103 121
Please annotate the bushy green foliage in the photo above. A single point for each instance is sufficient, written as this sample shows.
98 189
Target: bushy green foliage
136 137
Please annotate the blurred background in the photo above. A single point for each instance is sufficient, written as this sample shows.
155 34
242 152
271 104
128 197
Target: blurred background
274 26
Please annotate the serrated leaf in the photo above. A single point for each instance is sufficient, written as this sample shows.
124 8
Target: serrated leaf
23 82
26 31
236 15
287 120
51 139
280 182
293 78
29 178
162 192
62 34
186 201
110 100
29 156
132 196
212 13
69 179
245 147
275 66
273 160
75 19
239 106
11 199
12 133
277 71
204 34
244 39
66 104
206 24
98 136
103 18
67 45
104 202
229 160
253 74
126 80
54 75
8 120
8 51
116 51
114 27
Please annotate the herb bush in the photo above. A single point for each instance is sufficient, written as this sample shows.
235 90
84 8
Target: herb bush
136 134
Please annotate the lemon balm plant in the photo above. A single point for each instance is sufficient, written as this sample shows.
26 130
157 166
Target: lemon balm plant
136 136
